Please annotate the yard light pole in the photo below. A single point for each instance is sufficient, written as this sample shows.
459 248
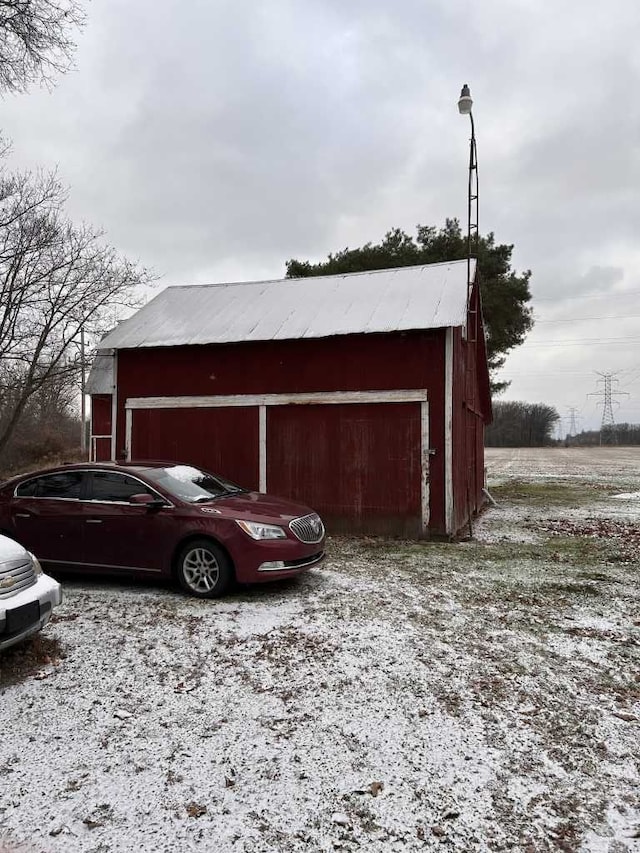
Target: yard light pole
465 103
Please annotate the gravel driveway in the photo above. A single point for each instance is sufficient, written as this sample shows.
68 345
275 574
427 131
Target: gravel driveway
476 696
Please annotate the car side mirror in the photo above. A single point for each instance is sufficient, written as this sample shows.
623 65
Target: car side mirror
145 499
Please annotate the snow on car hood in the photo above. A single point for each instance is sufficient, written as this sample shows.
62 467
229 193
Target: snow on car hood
11 551
12 555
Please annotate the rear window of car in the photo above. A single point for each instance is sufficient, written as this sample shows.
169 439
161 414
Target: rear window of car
64 484
27 490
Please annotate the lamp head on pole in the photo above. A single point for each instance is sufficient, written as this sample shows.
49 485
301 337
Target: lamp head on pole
465 103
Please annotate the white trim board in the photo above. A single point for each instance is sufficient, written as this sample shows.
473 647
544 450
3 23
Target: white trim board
319 397
262 453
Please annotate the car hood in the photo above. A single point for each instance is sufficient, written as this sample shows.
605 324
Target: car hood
12 555
256 506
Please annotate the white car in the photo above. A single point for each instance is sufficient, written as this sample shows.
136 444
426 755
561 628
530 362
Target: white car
27 596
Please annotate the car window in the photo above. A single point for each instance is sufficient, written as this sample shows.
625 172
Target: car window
27 490
111 486
64 484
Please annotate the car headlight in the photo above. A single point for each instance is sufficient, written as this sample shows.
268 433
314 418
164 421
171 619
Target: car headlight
36 563
261 531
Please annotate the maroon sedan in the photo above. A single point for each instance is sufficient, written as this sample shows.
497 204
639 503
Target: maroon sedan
159 518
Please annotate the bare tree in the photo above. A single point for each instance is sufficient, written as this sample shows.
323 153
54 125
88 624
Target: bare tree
55 281
47 429
36 40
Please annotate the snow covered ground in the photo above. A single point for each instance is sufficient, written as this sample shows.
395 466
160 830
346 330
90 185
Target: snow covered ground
478 696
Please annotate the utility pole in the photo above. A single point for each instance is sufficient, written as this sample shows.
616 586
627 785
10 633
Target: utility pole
83 411
608 423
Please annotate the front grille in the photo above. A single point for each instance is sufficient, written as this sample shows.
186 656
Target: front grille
16 578
304 561
309 528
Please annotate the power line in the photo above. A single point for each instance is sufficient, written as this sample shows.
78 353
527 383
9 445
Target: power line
582 341
631 369
634 378
586 296
547 373
585 319
518 374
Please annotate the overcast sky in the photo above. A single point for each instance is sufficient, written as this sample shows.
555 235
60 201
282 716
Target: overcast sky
215 140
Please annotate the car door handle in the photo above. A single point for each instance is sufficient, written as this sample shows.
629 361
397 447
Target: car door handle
23 515
94 521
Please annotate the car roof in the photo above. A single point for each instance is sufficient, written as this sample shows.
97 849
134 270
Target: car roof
134 465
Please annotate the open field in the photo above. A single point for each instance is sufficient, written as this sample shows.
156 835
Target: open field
614 465
479 696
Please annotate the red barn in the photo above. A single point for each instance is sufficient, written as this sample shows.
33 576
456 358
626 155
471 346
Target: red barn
363 395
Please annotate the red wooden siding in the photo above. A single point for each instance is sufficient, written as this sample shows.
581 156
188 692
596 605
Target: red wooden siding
345 363
101 414
101 451
221 440
471 407
357 464
101 426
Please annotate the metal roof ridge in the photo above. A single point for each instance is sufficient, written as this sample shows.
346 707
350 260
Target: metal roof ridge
316 277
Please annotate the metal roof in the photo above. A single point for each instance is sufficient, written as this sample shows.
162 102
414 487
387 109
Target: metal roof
419 297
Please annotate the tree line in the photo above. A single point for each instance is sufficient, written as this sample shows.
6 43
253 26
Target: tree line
519 424
626 434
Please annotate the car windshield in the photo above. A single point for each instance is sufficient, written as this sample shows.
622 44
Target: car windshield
191 484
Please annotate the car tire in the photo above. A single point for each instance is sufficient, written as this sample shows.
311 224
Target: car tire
203 569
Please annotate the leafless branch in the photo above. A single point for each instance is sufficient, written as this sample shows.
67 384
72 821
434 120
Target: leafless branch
36 40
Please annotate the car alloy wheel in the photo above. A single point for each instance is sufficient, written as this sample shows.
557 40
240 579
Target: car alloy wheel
203 569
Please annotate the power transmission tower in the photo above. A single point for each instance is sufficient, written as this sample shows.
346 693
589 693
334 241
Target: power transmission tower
573 414
607 427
